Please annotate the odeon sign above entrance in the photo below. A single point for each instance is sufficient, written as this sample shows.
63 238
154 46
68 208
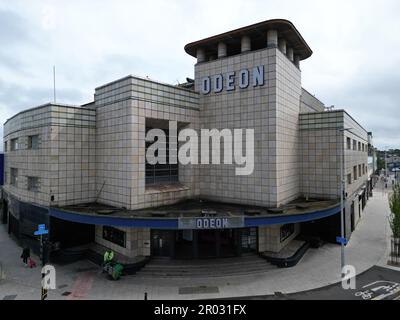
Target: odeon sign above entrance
211 223
230 80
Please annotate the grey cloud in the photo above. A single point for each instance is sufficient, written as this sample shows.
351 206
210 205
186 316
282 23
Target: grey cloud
13 29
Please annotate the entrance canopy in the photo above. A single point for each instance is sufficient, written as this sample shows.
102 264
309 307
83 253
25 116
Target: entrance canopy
197 214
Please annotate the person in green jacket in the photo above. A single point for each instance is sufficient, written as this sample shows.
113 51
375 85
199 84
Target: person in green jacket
108 257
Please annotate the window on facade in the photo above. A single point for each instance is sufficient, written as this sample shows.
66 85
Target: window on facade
354 145
359 170
114 235
161 173
33 142
33 184
5 146
355 172
349 178
348 141
359 146
13 176
286 231
13 144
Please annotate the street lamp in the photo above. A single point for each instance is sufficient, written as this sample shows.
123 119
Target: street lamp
386 170
341 197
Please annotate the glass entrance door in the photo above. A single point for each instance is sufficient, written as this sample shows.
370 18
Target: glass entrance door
162 242
249 239
207 243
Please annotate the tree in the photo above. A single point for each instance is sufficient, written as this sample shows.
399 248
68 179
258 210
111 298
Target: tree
380 163
394 203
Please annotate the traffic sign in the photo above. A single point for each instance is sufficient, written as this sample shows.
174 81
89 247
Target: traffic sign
41 230
341 240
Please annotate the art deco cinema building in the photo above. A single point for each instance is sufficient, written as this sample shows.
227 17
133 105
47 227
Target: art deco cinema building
82 170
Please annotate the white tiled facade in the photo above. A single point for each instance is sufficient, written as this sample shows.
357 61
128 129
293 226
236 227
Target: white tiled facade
64 161
96 152
122 109
273 111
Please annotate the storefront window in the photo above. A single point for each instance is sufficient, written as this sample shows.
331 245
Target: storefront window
286 231
249 239
114 235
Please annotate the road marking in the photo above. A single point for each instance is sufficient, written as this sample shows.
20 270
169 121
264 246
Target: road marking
81 286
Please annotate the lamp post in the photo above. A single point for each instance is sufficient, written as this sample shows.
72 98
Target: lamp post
342 130
386 170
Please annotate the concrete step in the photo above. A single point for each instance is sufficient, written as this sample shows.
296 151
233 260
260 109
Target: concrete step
205 262
189 274
205 267
245 265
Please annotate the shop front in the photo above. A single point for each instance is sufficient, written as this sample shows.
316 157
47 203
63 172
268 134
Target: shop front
203 243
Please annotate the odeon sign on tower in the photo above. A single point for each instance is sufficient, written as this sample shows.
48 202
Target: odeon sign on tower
229 82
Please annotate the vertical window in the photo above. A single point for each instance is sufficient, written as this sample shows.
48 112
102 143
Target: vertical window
33 184
359 170
349 178
14 176
33 142
348 141
161 173
114 235
14 144
359 146
286 231
355 172
354 145
5 146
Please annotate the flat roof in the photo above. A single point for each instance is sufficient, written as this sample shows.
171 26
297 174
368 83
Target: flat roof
257 32
48 104
195 207
130 76
167 216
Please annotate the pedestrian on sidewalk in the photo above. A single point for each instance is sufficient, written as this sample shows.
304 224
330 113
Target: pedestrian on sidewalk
31 263
26 253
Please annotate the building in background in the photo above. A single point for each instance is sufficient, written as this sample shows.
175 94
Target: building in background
82 171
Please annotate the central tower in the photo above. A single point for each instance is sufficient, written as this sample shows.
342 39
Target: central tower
250 78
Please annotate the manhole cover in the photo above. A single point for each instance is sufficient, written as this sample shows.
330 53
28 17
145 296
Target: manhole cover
66 293
198 290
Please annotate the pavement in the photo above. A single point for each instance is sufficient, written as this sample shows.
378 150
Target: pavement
377 283
319 268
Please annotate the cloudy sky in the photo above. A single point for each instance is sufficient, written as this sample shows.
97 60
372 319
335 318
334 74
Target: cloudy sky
355 65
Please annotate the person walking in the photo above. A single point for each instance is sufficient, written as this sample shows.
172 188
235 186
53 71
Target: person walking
26 254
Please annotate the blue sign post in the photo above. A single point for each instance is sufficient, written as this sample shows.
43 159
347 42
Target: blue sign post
40 232
341 240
